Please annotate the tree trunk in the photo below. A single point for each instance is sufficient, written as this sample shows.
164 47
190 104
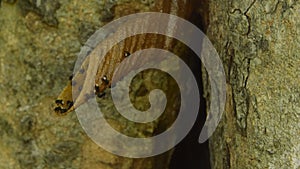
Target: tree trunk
41 40
39 43
259 44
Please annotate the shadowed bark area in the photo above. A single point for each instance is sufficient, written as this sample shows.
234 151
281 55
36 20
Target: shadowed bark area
259 44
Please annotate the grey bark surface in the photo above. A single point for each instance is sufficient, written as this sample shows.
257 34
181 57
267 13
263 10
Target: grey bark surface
259 44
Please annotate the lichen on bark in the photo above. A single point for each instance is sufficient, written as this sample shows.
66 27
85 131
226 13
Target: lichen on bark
41 41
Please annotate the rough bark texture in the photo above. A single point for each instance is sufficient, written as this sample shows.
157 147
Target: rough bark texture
39 42
259 44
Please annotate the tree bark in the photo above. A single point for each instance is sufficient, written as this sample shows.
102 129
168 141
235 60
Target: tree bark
41 40
259 44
